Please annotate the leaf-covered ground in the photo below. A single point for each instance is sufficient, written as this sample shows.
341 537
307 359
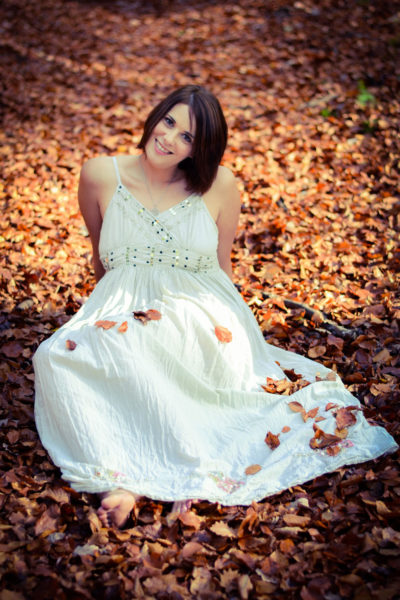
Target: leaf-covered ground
311 94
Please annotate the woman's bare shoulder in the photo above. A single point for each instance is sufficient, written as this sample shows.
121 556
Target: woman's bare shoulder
225 186
98 171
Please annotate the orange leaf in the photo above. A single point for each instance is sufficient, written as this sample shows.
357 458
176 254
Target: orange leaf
310 414
286 546
153 314
342 433
253 469
272 440
223 334
70 345
333 450
331 405
285 429
123 327
105 324
296 406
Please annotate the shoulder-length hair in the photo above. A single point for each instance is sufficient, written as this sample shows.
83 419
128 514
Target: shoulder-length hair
200 169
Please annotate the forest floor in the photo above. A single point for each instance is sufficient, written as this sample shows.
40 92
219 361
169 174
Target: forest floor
312 99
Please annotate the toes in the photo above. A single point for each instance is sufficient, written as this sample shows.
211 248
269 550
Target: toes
181 506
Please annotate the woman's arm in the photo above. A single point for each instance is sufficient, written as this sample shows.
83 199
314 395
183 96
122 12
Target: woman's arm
228 216
92 186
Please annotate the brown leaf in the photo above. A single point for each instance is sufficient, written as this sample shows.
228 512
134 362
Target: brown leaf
292 375
322 439
70 345
252 469
342 433
222 529
223 334
141 315
287 546
12 349
272 440
190 519
285 429
296 406
310 414
105 324
191 549
144 316
345 418
296 520
316 351
333 450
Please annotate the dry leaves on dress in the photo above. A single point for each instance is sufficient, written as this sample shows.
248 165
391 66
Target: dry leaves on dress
297 407
345 418
223 334
253 469
123 327
272 440
284 386
144 316
322 440
105 324
70 345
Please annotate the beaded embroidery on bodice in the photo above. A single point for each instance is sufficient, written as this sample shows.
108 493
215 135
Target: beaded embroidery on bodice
153 241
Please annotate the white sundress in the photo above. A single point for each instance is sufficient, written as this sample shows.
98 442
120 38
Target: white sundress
165 408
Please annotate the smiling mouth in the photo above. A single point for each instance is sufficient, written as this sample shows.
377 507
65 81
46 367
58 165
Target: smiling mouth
162 148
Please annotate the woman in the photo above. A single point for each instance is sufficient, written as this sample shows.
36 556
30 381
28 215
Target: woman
154 387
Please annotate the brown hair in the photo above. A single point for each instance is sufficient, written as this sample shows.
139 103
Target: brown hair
200 169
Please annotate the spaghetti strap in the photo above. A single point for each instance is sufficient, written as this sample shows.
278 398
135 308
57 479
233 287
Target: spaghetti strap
117 170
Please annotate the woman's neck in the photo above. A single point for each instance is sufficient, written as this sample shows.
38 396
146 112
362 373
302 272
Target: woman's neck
156 176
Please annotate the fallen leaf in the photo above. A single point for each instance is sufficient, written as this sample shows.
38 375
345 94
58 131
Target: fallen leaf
222 529
153 315
286 546
285 429
253 469
123 327
70 345
105 324
292 375
144 316
345 418
296 520
223 334
272 440
322 439
310 414
296 406
333 450
316 351
190 519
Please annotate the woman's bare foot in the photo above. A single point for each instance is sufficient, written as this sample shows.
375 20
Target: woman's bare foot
181 506
116 507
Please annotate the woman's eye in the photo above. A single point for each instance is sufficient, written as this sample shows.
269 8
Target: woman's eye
168 120
187 138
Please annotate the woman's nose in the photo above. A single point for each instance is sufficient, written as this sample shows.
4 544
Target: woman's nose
169 136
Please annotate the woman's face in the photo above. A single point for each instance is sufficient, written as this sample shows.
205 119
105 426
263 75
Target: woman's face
171 140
